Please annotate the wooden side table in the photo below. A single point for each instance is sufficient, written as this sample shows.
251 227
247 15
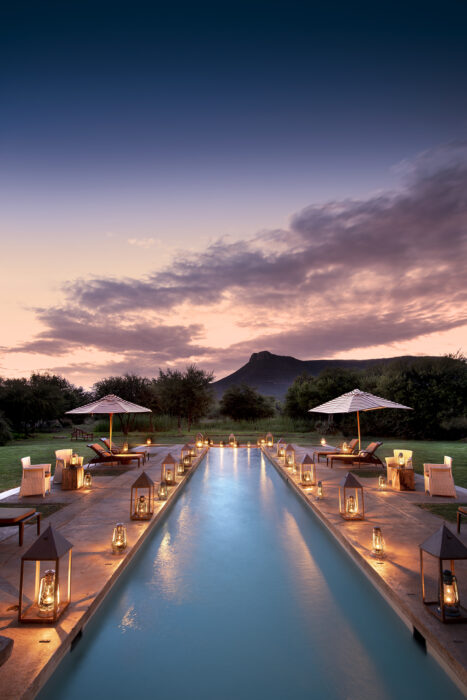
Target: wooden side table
403 479
72 478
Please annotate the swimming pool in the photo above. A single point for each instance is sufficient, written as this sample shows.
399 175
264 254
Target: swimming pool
241 593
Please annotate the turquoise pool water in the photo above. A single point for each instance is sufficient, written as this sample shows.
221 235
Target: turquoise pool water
241 593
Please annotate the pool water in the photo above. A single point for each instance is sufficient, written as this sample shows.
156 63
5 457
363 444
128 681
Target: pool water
241 593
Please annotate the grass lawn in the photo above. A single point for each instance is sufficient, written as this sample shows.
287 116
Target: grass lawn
447 511
42 448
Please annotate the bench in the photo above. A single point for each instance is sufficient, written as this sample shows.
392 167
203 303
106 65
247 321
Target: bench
78 434
19 516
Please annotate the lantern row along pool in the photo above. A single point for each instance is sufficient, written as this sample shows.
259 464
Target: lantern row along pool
242 593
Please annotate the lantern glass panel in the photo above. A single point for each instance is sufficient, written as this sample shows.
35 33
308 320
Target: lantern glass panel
450 593
87 479
378 542
119 538
162 492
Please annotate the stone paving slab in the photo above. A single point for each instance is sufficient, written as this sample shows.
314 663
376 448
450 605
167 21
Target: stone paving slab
87 522
404 526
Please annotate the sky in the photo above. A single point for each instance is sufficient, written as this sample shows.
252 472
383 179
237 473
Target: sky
194 182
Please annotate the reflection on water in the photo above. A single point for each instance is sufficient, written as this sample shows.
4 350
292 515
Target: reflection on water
241 594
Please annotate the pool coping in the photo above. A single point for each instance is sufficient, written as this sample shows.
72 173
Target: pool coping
455 670
74 634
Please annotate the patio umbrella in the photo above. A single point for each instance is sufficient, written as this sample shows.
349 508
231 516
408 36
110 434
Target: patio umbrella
356 401
111 404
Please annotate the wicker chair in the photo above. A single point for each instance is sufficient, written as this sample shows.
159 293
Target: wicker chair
36 478
62 460
438 479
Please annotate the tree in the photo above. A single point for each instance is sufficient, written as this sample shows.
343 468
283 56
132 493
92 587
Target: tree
242 402
131 387
185 394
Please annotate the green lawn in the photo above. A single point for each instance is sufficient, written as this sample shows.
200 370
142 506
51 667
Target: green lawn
447 511
42 448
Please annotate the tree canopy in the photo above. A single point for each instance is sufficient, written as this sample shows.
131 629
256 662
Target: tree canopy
242 402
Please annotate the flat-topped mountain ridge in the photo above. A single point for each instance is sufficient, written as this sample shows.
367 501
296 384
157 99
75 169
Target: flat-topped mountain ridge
273 374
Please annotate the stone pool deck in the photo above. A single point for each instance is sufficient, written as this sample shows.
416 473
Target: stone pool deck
87 522
397 576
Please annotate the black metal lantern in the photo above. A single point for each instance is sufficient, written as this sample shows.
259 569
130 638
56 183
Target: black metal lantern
142 498
280 448
87 480
168 468
351 501
199 441
45 579
289 457
444 546
307 471
320 491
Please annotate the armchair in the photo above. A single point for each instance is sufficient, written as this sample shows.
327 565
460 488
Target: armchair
36 478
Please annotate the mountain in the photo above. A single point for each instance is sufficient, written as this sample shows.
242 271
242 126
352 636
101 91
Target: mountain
273 374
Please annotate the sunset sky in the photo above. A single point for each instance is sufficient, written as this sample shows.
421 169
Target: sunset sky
194 182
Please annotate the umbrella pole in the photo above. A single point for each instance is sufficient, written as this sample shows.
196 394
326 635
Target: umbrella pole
111 415
358 423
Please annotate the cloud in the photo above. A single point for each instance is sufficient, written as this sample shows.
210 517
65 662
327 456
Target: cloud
142 242
344 276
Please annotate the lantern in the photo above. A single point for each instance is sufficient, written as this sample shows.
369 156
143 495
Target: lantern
269 440
262 442
180 468
142 498
162 492
279 444
378 543
443 545
351 502
119 538
281 452
74 460
221 443
345 448
168 470
401 459
87 479
192 452
45 579
206 442
289 455
186 457
323 441
307 471
148 441
248 444
231 440
382 483
125 447
320 493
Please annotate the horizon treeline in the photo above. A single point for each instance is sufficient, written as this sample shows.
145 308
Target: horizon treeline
435 388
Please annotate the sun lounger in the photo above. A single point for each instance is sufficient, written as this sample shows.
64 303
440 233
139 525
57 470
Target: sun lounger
107 456
352 446
366 456
118 449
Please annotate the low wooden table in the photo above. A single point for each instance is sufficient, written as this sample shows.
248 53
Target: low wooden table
403 479
72 478
19 516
